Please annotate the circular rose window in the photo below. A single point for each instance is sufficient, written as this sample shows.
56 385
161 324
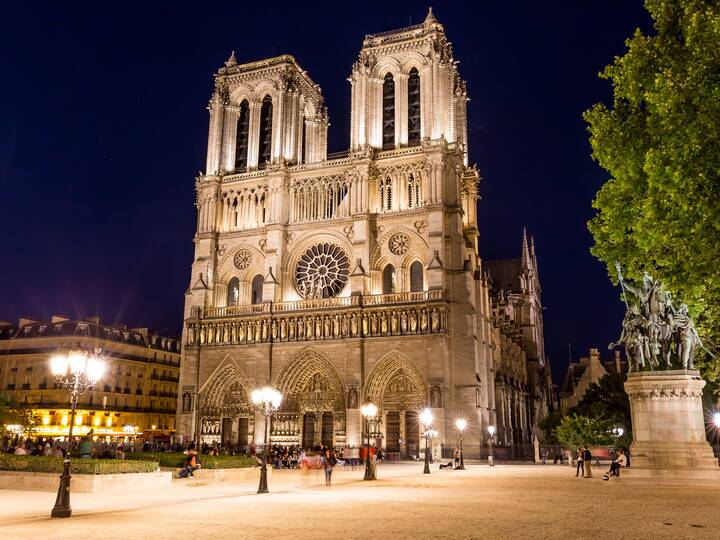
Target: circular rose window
322 271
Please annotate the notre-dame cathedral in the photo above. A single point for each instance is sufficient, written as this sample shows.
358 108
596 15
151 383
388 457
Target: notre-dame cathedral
354 278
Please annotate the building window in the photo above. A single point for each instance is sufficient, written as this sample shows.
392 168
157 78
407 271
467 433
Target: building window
257 289
242 137
416 277
265 132
233 292
388 279
414 192
385 194
414 108
388 112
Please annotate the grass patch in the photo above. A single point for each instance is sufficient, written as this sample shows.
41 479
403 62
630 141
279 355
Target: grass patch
177 459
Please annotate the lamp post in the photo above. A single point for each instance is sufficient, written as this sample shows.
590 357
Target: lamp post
369 411
426 418
76 371
461 424
491 440
268 400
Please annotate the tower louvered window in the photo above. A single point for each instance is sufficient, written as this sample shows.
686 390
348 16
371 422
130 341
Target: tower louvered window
414 108
388 112
241 138
265 132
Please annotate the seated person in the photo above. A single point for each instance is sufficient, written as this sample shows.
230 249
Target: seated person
616 465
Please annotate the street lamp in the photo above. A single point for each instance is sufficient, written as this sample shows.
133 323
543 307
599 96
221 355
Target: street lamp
426 418
716 419
491 456
461 424
76 371
369 411
268 400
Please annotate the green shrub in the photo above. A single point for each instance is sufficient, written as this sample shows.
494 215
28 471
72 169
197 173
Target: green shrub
177 459
11 462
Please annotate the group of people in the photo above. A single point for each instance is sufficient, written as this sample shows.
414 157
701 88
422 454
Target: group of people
83 446
618 460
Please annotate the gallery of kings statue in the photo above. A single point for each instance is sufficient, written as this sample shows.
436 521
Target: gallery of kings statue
352 278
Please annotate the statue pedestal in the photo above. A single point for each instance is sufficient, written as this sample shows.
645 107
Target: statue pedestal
669 427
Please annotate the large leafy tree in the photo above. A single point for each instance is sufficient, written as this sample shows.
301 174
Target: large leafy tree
660 142
607 399
577 431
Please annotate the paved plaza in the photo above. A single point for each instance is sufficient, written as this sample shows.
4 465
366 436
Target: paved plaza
519 501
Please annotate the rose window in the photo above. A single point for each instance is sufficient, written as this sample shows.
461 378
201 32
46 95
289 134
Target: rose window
322 271
399 244
242 259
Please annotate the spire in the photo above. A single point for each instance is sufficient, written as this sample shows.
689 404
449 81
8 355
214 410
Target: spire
525 256
430 19
232 61
532 252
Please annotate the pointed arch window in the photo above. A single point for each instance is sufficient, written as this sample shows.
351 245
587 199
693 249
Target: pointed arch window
413 108
257 289
385 194
233 292
388 116
388 279
266 111
413 192
416 277
242 137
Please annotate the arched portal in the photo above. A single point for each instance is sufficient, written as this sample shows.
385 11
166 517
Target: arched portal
226 415
313 409
398 389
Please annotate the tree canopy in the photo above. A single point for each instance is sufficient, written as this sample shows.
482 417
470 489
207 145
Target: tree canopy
577 431
660 141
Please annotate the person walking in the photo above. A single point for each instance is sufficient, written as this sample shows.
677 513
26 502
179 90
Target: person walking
328 462
580 469
456 456
587 458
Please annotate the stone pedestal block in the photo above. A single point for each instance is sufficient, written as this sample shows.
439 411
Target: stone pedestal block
669 426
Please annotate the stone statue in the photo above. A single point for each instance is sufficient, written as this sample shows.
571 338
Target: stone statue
352 398
653 330
435 397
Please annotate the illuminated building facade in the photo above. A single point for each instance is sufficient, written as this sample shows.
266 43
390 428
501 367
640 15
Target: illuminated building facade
136 397
341 279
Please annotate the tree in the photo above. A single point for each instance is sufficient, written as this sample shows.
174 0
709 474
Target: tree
607 399
578 431
19 416
660 142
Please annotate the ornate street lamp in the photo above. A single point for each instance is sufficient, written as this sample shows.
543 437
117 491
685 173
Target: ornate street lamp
76 371
426 418
369 411
491 440
268 400
461 424
716 419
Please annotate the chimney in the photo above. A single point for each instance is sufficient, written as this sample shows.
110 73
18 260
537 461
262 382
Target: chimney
94 319
24 321
618 364
141 331
59 318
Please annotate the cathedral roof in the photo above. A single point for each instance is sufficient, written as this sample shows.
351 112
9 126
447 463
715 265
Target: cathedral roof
505 274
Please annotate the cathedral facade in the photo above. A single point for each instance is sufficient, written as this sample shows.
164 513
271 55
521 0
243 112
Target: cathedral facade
349 278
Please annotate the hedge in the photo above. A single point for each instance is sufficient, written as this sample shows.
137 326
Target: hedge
11 462
177 459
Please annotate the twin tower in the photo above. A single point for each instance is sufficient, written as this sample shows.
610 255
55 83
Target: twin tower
405 89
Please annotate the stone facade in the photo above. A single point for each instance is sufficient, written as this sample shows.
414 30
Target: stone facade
589 370
345 279
136 396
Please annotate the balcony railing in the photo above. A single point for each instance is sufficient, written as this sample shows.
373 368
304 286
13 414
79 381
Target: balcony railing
319 304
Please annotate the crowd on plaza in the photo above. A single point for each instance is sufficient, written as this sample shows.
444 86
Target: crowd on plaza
84 447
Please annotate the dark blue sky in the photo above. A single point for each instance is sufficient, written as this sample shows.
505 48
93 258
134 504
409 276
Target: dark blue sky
104 127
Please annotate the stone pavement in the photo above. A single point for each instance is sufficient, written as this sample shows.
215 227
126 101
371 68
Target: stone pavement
514 501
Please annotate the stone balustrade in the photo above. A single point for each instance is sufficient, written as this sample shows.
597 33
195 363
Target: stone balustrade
422 312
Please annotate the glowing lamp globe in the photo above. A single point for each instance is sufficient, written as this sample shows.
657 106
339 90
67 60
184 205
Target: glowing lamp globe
59 365
368 410
491 430
426 417
461 424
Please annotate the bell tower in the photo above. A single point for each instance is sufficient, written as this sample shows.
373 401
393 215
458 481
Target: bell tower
406 88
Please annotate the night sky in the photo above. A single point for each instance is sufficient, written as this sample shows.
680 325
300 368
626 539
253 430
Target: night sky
103 128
